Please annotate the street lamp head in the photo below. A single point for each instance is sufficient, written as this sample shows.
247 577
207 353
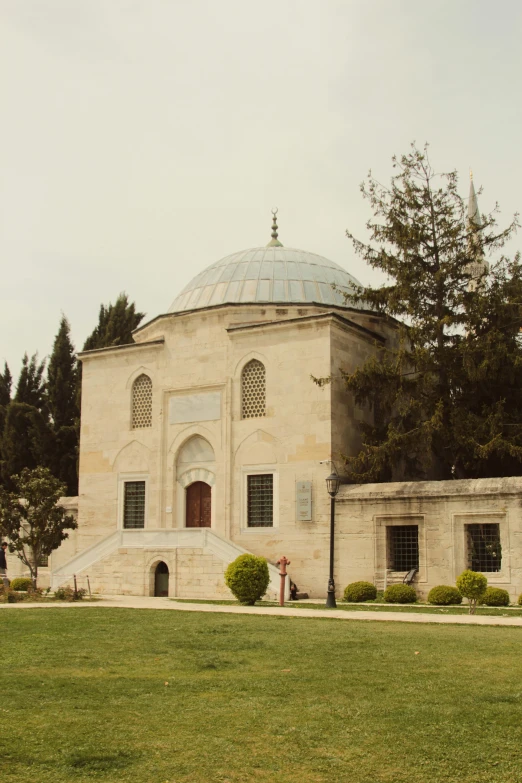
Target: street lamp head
333 482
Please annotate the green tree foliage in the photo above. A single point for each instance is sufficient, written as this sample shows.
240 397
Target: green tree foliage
248 578
62 393
62 379
116 322
472 586
30 388
31 517
444 396
26 440
6 382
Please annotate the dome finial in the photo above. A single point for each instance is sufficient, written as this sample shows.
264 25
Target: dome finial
274 242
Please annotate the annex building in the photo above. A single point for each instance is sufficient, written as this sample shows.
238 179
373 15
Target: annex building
206 438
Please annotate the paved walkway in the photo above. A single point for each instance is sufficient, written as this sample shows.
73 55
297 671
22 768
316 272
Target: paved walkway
142 602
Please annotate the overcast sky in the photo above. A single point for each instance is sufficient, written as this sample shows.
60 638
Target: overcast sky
142 140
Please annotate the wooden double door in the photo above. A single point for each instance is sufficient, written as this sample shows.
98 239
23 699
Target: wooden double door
198 505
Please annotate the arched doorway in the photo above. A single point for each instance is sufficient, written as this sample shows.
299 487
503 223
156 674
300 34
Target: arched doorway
161 580
198 505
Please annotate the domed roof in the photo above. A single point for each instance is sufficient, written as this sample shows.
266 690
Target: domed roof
266 274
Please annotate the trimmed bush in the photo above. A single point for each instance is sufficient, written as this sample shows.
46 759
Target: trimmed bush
472 586
520 599
248 578
23 583
444 595
400 594
360 591
495 596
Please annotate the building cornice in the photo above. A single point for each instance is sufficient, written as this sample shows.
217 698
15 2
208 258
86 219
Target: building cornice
331 316
126 347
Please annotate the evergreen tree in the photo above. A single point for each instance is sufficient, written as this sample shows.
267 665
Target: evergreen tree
6 381
30 388
62 380
27 440
444 397
116 322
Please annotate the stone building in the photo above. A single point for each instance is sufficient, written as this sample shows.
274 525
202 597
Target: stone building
206 438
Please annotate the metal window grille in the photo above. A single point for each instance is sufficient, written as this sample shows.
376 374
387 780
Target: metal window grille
134 504
484 550
253 390
260 500
142 402
403 547
43 561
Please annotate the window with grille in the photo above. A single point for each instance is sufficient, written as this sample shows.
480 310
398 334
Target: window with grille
484 550
43 561
134 504
260 500
142 402
253 390
403 547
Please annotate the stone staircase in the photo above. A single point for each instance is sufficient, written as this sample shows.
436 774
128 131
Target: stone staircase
205 539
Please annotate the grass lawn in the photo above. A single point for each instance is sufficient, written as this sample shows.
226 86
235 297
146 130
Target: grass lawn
84 697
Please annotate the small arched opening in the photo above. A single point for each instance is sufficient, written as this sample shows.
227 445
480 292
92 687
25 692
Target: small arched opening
161 580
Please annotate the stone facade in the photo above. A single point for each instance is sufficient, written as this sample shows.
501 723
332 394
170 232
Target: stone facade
198 437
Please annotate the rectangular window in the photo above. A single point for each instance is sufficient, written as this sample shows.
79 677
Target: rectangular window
260 500
403 547
484 550
134 504
43 561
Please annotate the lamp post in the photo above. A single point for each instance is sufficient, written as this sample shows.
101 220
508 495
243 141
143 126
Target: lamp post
333 482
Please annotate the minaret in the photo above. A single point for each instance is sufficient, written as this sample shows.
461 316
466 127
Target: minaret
274 242
480 266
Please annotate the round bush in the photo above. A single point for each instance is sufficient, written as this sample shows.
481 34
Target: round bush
360 591
400 594
248 578
520 599
22 583
444 595
495 596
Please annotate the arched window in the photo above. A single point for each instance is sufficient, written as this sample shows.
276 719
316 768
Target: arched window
141 402
253 390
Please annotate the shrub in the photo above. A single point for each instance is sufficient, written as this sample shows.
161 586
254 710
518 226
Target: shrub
495 596
248 578
23 583
360 591
520 599
444 595
400 594
472 586
67 594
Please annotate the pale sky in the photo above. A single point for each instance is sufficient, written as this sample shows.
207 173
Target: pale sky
142 140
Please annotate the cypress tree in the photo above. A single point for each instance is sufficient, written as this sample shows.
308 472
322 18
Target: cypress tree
116 322
62 380
30 388
6 382
27 440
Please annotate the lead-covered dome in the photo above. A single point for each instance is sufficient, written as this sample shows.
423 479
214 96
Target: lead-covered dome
267 274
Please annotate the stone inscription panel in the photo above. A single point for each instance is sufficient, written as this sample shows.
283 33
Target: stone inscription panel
303 501
195 407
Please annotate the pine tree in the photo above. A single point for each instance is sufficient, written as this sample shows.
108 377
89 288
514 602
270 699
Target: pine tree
444 402
6 382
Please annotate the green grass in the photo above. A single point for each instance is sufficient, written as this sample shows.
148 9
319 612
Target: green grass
83 698
371 606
